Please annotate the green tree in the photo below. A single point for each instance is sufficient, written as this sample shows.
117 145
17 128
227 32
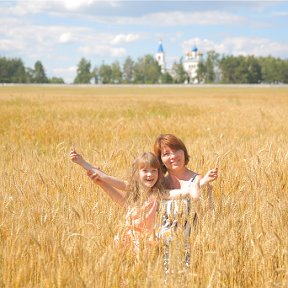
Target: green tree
212 64
178 72
116 73
19 75
241 69
12 70
56 80
201 72
285 71
105 74
29 72
241 73
128 70
273 70
147 70
254 70
84 74
95 75
228 65
207 69
166 78
39 75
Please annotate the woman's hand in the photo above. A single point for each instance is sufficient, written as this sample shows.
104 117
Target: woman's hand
210 176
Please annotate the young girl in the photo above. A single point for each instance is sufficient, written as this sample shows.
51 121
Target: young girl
140 196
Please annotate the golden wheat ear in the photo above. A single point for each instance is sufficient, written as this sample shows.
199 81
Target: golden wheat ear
72 148
217 162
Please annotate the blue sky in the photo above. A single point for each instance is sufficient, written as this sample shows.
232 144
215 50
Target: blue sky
60 32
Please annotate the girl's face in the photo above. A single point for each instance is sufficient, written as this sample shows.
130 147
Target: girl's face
172 158
148 176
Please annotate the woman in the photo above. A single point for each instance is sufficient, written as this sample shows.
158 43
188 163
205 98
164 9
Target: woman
173 156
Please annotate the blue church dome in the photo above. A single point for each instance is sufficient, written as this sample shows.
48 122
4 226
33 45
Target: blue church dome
194 49
160 48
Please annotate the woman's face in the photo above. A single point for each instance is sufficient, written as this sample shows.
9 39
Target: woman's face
172 158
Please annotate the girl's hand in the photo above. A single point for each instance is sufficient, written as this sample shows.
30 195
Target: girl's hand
95 177
75 157
210 176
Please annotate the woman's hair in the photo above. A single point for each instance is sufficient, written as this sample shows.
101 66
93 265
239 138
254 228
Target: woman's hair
147 159
172 142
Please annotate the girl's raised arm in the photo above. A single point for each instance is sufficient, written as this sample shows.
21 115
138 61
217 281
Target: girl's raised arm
116 195
113 181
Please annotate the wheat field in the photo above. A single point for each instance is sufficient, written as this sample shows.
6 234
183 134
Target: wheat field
57 228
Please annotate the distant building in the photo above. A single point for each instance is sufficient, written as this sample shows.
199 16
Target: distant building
190 64
160 57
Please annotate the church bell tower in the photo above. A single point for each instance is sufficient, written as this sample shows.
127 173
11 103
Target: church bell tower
160 57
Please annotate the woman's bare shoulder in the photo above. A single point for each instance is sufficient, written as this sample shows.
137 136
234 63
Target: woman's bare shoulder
167 182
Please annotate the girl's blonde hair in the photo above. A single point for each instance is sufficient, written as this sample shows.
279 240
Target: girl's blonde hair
147 159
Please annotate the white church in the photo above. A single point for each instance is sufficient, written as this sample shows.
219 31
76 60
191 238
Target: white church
190 62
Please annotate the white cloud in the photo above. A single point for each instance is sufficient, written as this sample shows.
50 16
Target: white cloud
255 46
124 38
55 6
40 41
75 4
66 37
177 18
6 44
102 50
71 69
239 46
280 13
34 38
68 74
78 4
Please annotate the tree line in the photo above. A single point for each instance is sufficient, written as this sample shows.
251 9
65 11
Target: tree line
249 69
12 70
227 69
